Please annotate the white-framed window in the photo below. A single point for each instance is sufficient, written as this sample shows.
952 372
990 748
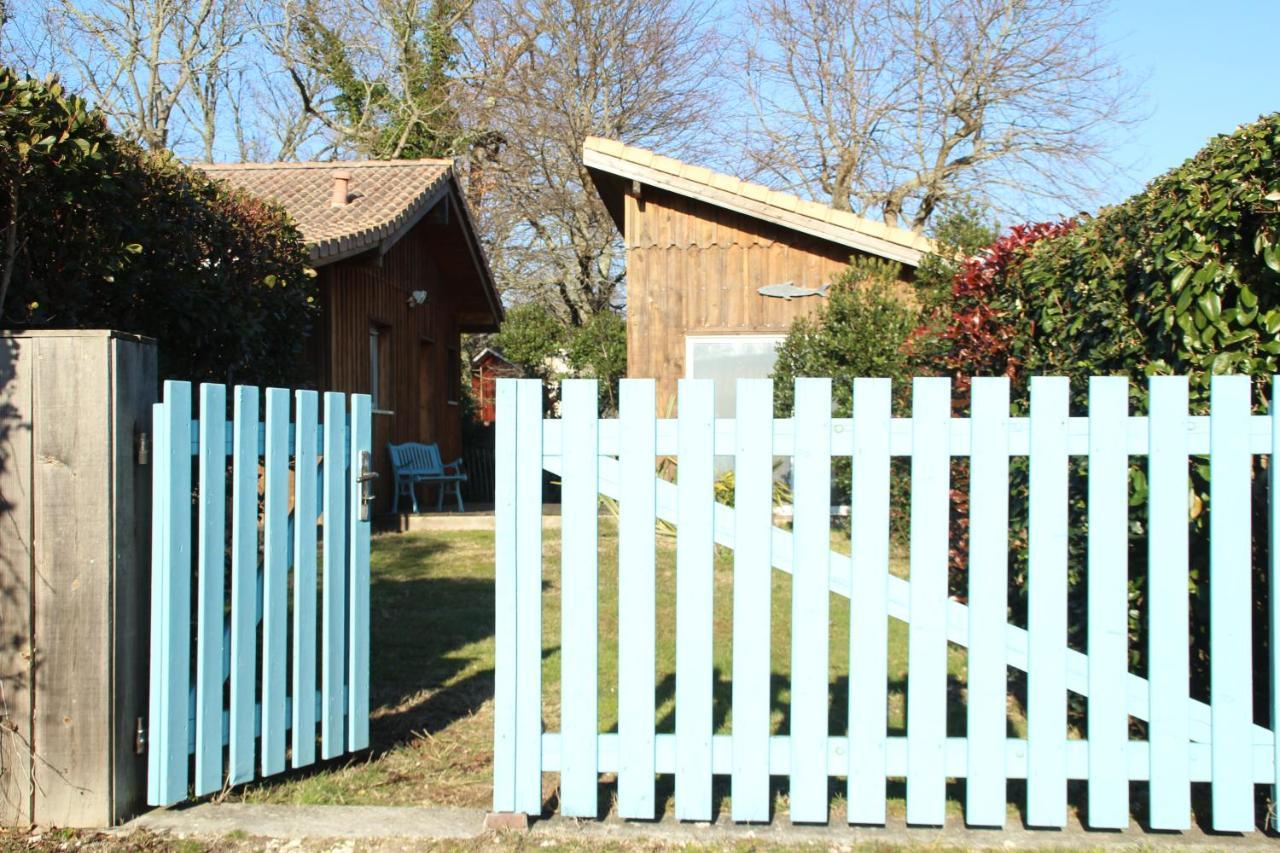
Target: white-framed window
728 358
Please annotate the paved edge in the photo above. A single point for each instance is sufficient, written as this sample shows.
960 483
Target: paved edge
208 820
313 822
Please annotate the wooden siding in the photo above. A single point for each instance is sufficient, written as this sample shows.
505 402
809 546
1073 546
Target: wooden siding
367 291
693 269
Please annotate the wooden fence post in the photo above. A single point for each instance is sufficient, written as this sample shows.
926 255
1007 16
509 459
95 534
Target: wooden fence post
74 574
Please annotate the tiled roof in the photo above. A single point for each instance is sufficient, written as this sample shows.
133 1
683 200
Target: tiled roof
839 226
383 197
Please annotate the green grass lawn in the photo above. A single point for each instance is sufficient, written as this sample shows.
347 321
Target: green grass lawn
432 671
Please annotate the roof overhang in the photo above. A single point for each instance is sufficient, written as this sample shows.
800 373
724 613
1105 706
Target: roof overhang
615 175
480 260
448 193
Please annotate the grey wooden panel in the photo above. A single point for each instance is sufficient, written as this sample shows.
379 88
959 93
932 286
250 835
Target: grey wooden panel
15 581
134 388
73 537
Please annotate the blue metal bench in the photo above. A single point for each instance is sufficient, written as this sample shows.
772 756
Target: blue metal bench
414 463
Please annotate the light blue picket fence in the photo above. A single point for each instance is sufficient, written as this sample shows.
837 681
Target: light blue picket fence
1188 740
208 699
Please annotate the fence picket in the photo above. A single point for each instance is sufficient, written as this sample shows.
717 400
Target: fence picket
927 638
868 613
986 786
210 582
167 757
506 445
217 698
333 596
637 587
1168 668
244 583
579 621
175 635
752 578
304 580
1180 748
1230 601
695 590
358 577
528 717
1108 602
157 671
810 602
275 579
1273 584
1047 605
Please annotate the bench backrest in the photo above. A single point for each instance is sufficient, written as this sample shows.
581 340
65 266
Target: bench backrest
414 458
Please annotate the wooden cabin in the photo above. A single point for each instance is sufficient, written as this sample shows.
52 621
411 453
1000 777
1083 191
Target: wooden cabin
699 248
487 367
401 277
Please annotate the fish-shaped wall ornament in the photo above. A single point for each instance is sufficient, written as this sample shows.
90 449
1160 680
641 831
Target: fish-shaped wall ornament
788 290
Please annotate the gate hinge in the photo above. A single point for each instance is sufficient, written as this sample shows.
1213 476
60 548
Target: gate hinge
140 738
142 447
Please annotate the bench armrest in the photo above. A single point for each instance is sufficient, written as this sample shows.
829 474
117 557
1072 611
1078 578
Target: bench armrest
455 464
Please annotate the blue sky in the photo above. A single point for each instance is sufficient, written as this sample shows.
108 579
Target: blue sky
1203 67
1210 65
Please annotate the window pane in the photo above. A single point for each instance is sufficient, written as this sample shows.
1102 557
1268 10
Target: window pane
727 358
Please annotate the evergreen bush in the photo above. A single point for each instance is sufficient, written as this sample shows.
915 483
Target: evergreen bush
98 233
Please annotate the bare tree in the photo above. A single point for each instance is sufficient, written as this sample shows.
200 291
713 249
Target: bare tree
543 75
217 58
269 115
268 119
899 106
146 62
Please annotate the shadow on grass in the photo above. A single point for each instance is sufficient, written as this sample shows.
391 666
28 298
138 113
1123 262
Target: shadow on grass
425 622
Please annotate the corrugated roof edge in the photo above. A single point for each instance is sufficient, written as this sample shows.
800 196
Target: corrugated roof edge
756 200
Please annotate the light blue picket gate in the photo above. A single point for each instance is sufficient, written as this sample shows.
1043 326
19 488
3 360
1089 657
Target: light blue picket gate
1188 740
207 695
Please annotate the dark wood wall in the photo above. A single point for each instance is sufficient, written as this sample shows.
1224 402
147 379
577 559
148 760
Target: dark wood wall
694 269
420 345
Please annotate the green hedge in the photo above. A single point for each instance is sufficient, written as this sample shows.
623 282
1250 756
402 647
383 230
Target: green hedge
1179 279
105 235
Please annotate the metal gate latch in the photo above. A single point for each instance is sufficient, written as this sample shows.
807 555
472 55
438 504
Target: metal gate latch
365 478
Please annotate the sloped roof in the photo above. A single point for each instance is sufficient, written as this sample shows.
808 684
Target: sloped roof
385 197
632 163
490 351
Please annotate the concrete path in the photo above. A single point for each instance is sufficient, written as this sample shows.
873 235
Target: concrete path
208 820
394 823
